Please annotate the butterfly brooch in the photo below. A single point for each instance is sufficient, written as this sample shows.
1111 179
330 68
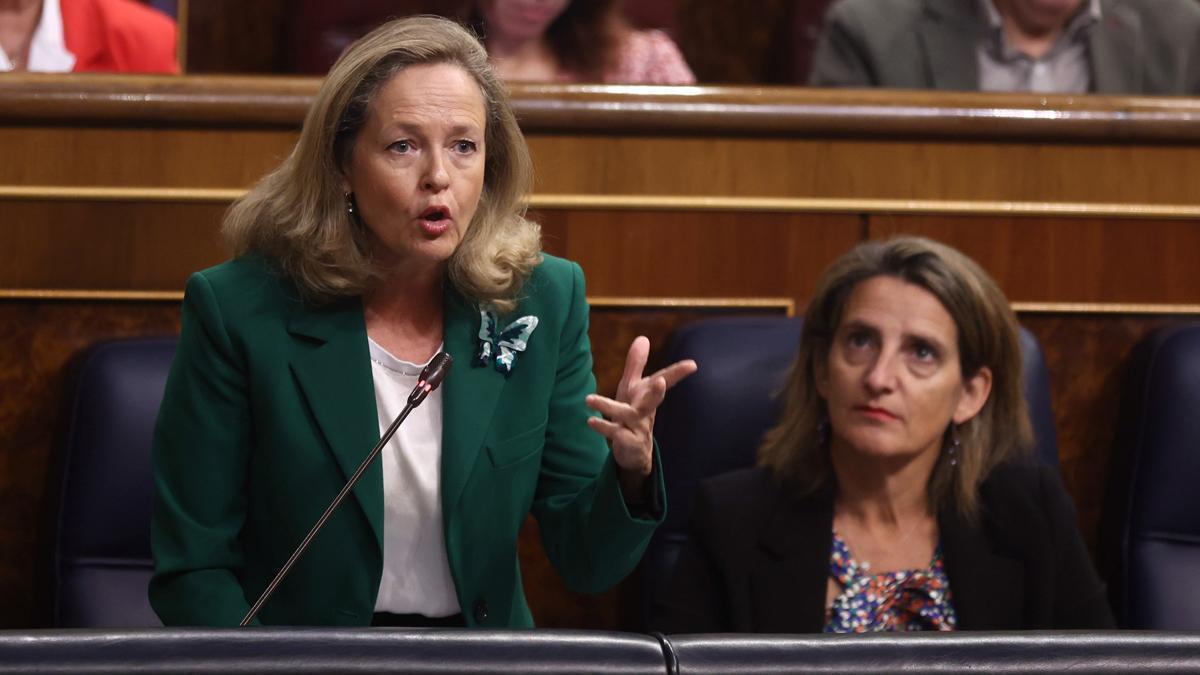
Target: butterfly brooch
502 345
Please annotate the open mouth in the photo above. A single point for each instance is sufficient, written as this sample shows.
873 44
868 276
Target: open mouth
435 213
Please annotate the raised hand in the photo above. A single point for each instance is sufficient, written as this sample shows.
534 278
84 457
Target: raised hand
628 421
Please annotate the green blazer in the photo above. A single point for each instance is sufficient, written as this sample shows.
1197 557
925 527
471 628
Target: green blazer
270 407
1139 46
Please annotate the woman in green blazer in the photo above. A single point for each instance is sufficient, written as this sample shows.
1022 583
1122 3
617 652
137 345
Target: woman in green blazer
394 231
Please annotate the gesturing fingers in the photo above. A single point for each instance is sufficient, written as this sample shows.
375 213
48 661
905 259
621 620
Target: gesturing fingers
619 435
620 412
676 372
647 394
629 418
635 363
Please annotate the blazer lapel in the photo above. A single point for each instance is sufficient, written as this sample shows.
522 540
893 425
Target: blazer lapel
949 31
788 585
1117 51
82 33
469 397
335 379
985 586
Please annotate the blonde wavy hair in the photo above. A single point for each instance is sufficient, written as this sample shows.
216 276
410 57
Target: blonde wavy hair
296 215
794 450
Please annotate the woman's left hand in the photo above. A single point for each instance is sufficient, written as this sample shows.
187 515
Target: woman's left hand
628 422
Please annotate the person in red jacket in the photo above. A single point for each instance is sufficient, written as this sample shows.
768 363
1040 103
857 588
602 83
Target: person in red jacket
59 36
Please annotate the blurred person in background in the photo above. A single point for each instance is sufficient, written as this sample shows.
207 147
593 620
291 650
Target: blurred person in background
1059 46
575 41
62 36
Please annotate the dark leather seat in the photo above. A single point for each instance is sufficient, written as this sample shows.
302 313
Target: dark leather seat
1151 532
713 421
318 650
323 650
960 652
102 562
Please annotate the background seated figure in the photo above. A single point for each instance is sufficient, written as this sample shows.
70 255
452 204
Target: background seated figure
575 41
61 36
1066 46
896 492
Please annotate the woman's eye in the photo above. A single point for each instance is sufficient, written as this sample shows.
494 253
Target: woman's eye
859 340
464 147
400 146
924 352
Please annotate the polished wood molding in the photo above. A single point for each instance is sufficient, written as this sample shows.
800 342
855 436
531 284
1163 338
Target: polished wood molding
861 113
861 206
73 294
155 100
1100 308
610 109
64 193
659 203
785 306
781 305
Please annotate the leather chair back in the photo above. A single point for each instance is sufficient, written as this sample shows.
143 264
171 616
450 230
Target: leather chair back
102 562
1151 532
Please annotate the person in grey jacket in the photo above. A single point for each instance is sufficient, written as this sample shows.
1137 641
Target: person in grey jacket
1064 46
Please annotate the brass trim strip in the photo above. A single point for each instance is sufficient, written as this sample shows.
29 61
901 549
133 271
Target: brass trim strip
1134 308
118 194
81 294
601 302
616 302
857 206
664 202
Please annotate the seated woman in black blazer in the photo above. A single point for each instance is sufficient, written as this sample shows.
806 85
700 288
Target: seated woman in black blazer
897 492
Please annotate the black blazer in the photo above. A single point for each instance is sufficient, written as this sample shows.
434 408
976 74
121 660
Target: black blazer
758 559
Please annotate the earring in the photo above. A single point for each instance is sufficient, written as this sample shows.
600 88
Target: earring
350 205
952 451
823 432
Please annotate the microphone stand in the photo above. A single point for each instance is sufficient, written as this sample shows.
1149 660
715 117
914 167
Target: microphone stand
429 380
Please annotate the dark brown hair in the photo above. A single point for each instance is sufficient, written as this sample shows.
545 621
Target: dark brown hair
987 336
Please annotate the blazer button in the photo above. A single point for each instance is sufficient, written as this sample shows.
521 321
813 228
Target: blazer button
481 611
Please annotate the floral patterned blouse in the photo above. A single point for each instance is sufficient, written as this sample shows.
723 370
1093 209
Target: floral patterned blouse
903 600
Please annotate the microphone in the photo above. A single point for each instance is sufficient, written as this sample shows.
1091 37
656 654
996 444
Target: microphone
431 376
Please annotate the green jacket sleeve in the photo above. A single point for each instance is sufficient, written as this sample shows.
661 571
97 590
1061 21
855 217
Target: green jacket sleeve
588 532
201 458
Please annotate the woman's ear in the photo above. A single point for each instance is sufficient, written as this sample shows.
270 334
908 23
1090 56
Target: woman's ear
976 390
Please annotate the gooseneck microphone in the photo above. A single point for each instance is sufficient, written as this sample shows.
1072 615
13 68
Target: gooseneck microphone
429 379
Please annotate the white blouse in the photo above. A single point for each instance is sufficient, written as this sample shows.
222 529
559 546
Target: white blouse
416 573
48 49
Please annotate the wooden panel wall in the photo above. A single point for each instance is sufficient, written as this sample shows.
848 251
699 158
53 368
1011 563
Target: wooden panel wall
1055 259
117 185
